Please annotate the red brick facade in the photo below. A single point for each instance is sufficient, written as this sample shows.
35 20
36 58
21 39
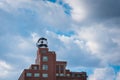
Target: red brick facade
47 68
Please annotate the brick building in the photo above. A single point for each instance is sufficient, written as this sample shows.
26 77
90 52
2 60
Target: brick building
47 68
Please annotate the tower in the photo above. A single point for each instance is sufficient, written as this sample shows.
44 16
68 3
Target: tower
46 60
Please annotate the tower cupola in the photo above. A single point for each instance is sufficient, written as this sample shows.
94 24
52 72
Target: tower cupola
42 43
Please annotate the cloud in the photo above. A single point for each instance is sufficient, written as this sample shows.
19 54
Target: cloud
66 49
103 74
94 42
99 40
5 69
92 10
8 71
104 9
17 45
35 37
118 76
11 5
45 11
79 10
20 50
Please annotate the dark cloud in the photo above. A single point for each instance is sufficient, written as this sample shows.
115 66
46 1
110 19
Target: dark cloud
103 9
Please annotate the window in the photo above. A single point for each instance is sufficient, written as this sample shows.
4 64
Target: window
45 67
57 74
44 75
43 51
28 74
35 67
61 67
68 74
45 58
73 75
61 74
36 75
78 75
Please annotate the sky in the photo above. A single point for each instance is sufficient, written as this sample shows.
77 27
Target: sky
85 33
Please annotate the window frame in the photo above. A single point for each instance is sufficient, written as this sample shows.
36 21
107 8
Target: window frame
28 74
45 58
36 74
35 67
61 74
44 75
68 75
44 67
43 51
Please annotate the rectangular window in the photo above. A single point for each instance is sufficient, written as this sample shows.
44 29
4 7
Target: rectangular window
45 67
43 51
35 68
45 58
57 74
36 75
73 75
61 74
78 75
28 74
45 75
68 74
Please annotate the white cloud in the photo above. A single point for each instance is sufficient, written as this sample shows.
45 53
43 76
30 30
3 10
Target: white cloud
99 40
22 57
65 39
23 47
96 40
11 5
102 74
35 37
19 50
79 10
22 43
90 36
47 12
5 69
67 47
118 76
80 43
